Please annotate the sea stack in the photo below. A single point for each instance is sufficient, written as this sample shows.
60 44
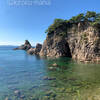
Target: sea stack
26 46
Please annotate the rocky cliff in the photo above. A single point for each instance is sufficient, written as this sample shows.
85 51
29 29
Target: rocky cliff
81 41
77 38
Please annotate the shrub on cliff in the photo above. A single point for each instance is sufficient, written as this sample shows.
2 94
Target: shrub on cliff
57 23
92 17
77 19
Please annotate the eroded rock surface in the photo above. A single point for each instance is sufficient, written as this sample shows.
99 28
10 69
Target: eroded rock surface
81 42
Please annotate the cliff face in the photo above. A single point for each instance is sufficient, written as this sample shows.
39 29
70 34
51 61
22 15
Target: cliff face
81 41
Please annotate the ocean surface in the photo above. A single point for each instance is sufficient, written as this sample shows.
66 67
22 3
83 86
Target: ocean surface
27 77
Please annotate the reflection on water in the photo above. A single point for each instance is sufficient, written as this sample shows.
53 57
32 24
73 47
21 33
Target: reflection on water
26 77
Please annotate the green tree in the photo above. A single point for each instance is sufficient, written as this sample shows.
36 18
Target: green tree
57 23
78 18
90 15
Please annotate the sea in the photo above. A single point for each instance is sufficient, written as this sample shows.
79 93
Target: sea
30 77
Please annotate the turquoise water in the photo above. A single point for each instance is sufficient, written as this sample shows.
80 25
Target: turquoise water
31 77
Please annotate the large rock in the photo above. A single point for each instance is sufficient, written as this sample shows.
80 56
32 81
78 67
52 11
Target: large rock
35 50
85 43
55 45
38 48
26 46
82 42
31 51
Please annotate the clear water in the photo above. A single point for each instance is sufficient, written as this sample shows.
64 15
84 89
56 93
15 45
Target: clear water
27 74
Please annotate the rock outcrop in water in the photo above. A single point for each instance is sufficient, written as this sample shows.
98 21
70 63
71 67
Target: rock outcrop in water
26 46
81 41
35 50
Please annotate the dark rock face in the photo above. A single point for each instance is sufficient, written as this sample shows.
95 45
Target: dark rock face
26 46
31 51
38 48
82 42
55 47
35 50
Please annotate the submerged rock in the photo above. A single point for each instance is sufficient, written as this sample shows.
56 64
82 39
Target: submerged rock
55 65
52 68
7 98
25 46
49 78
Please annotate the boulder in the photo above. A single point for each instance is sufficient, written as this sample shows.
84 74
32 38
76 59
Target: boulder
54 65
36 50
49 78
52 68
17 92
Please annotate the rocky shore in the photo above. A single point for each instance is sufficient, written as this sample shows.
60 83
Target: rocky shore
77 38
82 42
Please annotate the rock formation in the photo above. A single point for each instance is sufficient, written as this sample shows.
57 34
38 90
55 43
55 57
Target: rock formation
55 46
82 42
26 46
78 38
35 50
31 51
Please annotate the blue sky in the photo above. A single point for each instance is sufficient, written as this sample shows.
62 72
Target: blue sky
18 23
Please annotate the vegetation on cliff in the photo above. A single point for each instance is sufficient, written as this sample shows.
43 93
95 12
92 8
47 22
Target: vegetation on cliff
92 17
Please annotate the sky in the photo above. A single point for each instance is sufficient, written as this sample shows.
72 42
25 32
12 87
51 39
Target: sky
19 22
